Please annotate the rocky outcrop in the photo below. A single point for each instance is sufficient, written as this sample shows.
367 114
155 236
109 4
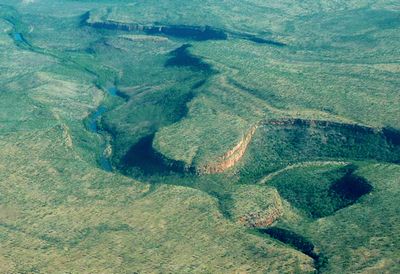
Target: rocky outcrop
261 218
254 206
230 158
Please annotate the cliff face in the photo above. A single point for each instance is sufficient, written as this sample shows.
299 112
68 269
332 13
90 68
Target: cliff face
199 33
230 158
116 26
234 155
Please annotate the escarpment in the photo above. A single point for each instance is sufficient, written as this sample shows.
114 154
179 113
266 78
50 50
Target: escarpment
193 32
183 147
199 33
326 139
230 158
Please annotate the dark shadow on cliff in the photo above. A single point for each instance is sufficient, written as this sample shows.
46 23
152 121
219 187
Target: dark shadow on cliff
198 33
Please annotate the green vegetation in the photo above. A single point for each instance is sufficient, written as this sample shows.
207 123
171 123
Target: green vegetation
255 205
108 107
317 190
277 146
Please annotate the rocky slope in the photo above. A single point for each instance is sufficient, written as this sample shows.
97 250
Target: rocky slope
230 158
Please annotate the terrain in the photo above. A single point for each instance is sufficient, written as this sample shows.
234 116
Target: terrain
199 137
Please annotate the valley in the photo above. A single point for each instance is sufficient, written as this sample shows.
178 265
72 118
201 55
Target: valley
199 137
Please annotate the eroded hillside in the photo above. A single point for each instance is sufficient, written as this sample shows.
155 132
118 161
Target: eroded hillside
199 137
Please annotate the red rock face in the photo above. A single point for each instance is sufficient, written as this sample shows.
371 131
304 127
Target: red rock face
230 158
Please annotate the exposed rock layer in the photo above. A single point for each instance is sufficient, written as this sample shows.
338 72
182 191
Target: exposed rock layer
199 33
261 219
231 157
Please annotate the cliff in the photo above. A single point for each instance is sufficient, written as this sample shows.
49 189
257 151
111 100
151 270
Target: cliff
230 158
199 33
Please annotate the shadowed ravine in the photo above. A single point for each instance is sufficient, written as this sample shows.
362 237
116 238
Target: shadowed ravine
298 242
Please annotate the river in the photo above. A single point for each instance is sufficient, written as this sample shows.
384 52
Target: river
103 160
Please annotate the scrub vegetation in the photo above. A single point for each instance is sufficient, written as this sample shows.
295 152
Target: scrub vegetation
199 136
